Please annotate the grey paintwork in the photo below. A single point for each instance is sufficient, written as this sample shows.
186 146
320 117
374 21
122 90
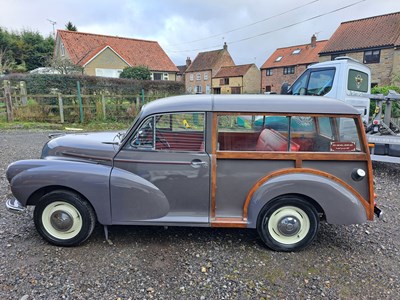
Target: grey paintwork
133 186
338 203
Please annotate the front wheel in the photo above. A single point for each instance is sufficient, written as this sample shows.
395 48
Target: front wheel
63 218
288 224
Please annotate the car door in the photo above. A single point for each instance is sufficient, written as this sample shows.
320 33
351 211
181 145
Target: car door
162 174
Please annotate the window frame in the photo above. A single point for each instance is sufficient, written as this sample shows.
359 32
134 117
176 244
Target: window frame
372 57
153 119
288 70
268 72
333 119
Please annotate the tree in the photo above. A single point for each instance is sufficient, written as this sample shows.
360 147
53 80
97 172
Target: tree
138 72
6 64
71 27
65 66
26 50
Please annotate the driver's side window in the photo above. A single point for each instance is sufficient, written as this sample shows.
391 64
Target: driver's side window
171 132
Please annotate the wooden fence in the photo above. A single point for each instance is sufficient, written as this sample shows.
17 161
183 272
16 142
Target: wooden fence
59 108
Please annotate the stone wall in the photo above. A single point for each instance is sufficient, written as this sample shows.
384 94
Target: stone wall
252 81
381 72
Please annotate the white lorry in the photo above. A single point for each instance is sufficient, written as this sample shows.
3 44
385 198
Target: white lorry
348 80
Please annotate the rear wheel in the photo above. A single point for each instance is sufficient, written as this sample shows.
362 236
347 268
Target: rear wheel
63 218
288 224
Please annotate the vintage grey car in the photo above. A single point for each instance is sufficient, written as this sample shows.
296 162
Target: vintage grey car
277 164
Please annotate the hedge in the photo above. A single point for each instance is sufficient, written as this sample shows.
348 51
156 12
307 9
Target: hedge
66 84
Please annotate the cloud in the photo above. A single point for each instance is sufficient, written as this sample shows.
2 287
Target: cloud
175 24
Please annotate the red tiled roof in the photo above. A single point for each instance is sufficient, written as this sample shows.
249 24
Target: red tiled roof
206 60
234 71
307 55
378 31
82 47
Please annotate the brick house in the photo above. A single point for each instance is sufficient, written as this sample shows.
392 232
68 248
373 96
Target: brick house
243 79
286 64
374 41
203 68
107 56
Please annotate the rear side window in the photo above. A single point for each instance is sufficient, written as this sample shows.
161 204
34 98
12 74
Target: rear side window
357 81
287 133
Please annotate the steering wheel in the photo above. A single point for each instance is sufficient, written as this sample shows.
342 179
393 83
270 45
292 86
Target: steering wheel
161 139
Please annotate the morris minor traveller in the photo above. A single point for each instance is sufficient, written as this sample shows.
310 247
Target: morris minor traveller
278 164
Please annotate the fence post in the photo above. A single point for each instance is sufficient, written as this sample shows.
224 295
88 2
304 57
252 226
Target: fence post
78 86
23 93
7 94
103 102
61 107
142 94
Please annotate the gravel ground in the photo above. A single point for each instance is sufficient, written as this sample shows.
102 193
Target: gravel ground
344 262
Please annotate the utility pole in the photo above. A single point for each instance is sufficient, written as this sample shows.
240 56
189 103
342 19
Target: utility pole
53 23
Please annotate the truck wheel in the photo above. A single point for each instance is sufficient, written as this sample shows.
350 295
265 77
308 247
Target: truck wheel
63 218
288 224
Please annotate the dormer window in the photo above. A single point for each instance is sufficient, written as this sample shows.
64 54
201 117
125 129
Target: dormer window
297 51
279 58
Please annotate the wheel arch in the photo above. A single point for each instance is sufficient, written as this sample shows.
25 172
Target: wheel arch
35 197
334 200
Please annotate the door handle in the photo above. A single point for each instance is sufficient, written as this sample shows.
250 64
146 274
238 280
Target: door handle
197 163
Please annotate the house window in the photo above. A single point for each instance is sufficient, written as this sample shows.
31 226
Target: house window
267 88
157 76
268 72
217 90
279 58
288 70
206 76
113 73
62 49
224 81
197 89
191 77
165 76
198 76
235 90
372 56
297 51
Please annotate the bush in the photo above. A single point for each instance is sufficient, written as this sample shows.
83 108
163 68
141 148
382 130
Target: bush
138 73
384 90
37 84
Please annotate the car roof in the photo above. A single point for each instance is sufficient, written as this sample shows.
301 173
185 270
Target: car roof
249 103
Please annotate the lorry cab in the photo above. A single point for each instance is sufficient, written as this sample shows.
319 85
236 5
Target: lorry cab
343 78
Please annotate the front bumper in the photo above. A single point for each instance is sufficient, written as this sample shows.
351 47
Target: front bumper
13 205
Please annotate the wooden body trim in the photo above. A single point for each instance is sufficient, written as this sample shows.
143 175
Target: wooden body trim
297 157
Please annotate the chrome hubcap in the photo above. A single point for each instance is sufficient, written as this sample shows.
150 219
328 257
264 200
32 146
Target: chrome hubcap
61 220
289 226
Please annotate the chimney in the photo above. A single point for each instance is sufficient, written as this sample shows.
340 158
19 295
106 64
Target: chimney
313 41
188 62
225 46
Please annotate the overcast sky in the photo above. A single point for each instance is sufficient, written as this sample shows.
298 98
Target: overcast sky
253 29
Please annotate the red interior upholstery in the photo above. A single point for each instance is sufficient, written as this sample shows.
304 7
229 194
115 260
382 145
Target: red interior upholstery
271 140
